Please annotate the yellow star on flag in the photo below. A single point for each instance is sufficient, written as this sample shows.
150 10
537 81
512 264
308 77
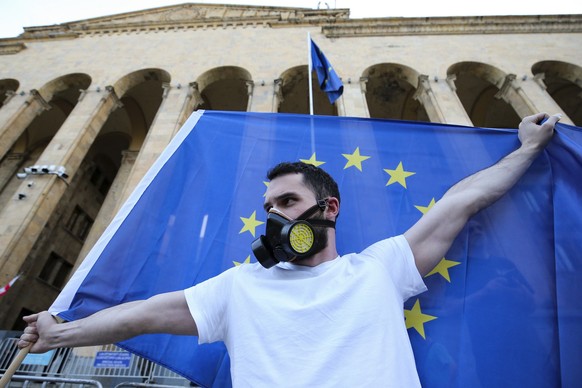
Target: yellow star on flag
355 159
416 319
425 209
250 223
267 185
247 261
312 161
442 268
398 175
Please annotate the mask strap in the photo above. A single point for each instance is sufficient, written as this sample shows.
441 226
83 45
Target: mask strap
320 206
312 210
326 223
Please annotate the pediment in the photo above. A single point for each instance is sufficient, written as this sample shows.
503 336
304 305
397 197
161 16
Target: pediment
186 15
192 13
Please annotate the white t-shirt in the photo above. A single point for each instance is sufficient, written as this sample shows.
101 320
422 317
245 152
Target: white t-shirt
340 323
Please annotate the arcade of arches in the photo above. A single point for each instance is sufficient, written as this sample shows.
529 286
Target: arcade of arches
107 137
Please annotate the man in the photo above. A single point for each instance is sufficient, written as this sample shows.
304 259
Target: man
317 319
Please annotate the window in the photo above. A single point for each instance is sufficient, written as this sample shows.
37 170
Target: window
104 187
55 271
79 223
19 324
96 176
100 181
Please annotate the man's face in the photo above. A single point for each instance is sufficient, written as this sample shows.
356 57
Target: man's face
288 194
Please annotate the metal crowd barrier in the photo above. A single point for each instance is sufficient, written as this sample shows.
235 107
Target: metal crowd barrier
76 364
143 385
63 382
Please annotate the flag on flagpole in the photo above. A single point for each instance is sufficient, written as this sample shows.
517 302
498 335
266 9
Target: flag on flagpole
508 287
4 290
329 81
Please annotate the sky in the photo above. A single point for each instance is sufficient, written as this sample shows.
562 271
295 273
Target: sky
16 14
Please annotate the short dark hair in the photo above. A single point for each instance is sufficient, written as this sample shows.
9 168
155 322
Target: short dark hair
315 178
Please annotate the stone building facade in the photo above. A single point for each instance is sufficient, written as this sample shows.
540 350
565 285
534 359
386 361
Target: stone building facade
102 97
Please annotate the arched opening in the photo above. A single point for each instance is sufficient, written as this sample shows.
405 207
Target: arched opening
293 93
225 88
564 84
141 94
478 87
390 90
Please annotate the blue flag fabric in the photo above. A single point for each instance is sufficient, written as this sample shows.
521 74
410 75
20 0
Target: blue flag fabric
329 81
503 307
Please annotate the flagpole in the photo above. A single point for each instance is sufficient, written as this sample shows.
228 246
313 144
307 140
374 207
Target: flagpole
310 81
309 71
13 366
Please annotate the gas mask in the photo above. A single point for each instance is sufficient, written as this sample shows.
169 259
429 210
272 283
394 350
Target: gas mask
288 240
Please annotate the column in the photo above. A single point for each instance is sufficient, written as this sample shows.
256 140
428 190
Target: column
16 115
451 108
277 97
426 97
250 88
263 97
192 101
107 211
177 105
363 92
515 97
353 100
23 218
535 90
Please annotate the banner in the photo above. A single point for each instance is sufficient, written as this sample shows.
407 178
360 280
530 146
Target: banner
503 306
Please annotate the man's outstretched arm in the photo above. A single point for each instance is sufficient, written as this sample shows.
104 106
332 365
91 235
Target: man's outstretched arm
431 237
164 313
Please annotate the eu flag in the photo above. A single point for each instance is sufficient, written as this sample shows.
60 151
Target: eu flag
329 82
504 304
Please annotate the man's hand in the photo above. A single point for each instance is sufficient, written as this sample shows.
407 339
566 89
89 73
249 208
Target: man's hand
535 135
36 333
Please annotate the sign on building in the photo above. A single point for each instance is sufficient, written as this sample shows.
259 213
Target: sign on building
112 360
